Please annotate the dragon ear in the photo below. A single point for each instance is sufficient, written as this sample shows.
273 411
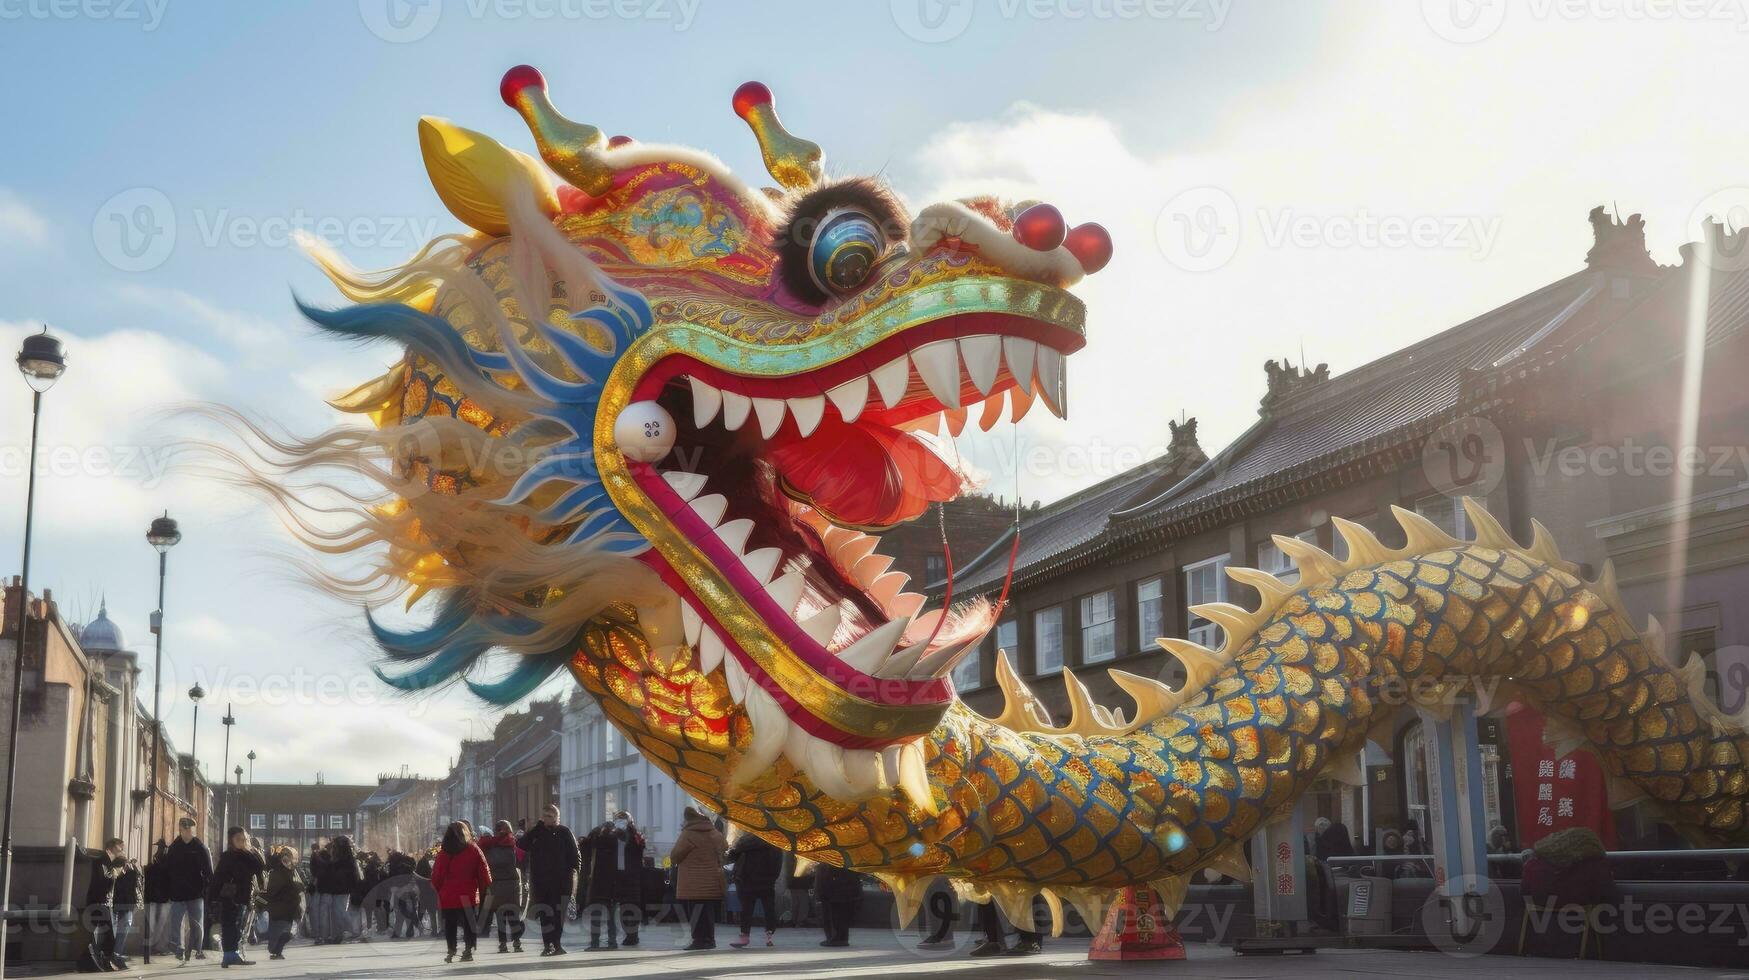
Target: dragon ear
476 175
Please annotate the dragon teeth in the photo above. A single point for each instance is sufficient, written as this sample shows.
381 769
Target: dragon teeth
735 409
869 652
982 355
762 563
808 412
938 364
1020 354
687 485
891 379
734 533
710 651
821 625
770 413
1052 381
705 402
737 677
850 398
710 508
692 622
786 590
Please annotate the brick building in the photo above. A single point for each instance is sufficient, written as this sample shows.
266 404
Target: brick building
303 815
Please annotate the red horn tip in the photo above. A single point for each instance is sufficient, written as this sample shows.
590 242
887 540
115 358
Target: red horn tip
517 79
750 95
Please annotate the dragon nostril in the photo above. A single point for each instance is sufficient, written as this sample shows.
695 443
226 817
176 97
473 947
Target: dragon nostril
1040 228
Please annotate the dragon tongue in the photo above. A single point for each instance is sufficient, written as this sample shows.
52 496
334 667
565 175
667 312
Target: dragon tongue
864 474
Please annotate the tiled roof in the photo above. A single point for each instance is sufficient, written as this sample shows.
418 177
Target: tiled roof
1368 403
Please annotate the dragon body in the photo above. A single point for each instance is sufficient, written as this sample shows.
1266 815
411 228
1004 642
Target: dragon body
671 480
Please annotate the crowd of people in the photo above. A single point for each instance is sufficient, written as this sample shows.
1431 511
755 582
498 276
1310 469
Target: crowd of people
466 887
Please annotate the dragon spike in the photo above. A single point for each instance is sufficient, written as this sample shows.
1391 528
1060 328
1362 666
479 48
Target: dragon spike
576 150
1273 590
1605 586
1055 905
1014 898
1315 563
1231 862
1542 544
1021 709
1085 717
1200 663
1238 621
1364 547
1424 535
476 177
1171 891
908 893
1153 699
794 162
1489 532
914 778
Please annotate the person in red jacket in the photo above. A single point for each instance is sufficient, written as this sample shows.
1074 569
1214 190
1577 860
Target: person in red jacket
460 877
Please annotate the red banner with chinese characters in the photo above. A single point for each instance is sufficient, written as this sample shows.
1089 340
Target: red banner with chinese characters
1553 793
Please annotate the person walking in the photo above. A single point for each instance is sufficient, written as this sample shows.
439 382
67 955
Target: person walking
553 860
233 887
504 905
99 908
337 877
800 883
284 896
461 877
698 875
188 867
838 892
403 885
615 859
157 896
757 864
127 902
1027 942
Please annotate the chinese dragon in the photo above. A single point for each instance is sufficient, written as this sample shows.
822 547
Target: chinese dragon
650 421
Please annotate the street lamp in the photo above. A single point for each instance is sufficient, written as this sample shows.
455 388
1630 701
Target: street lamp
195 693
162 535
241 822
41 361
243 797
225 807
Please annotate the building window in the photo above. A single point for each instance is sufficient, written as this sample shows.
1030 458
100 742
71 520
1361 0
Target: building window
1047 640
282 821
1150 612
1445 512
1205 581
336 822
1276 562
311 822
968 673
257 821
611 799
934 568
608 739
1098 627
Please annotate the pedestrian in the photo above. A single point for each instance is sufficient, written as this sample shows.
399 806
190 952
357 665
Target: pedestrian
188 867
157 897
127 901
233 887
615 857
553 860
335 884
757 864
363 917
838 891
403 885
504 905
428 909
461 877
99 909
1027 941
698 875
800 883
284 896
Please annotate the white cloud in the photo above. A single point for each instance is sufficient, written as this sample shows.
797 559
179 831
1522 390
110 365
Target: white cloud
19 222
245 331
1464 141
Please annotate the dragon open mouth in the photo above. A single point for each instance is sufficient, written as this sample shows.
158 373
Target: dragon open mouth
773 485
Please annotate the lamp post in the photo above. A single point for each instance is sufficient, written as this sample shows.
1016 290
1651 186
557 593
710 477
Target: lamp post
225 807
162 535
41 361
195 694
243 797
241 822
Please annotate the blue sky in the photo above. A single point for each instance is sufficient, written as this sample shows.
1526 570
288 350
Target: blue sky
1360 175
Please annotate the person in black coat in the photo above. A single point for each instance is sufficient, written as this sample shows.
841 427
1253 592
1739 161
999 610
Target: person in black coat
337 875
553 859
100 905
615 858
127 902
838 892
188 867
241 872
653 883
757 865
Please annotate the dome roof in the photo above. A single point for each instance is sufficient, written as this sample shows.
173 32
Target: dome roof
100 635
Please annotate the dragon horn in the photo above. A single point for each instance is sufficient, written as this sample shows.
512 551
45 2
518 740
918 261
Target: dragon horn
576 150
794 162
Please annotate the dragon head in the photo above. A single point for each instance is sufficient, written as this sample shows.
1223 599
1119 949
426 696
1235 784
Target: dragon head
673 481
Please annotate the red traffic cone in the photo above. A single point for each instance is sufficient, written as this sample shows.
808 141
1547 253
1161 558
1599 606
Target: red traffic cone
1136 928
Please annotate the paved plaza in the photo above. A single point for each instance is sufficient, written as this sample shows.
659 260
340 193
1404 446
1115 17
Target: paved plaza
874 953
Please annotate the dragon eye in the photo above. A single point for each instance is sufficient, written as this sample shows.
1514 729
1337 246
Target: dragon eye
844 251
